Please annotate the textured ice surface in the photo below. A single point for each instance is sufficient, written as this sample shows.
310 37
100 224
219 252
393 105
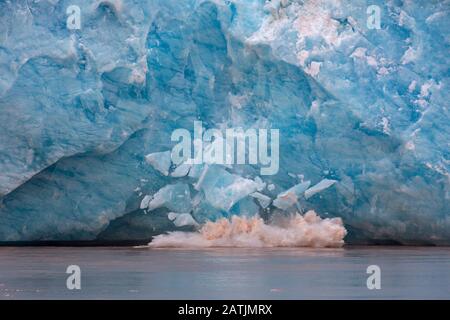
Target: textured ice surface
290 197
80 110
182 219
322 185
161 161
176 197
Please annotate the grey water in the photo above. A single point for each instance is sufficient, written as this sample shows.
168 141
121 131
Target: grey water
226 273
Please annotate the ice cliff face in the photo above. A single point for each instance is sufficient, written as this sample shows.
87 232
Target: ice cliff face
86 115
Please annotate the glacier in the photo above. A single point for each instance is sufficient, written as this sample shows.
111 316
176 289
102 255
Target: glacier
86 116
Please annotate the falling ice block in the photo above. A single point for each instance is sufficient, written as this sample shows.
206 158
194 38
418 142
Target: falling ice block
223 189
161 161
263 200
322 185
290 197
181 171
145 202
175 197
182 219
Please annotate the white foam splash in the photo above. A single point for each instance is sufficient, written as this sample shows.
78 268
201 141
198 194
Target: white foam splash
308 230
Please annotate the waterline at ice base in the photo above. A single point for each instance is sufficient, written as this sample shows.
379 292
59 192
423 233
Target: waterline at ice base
340 128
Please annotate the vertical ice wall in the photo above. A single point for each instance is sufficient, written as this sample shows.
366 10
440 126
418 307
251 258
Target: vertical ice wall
364 108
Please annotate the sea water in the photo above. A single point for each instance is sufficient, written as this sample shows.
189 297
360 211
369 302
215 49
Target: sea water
225 273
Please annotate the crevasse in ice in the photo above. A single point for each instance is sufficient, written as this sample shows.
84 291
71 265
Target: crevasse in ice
86 115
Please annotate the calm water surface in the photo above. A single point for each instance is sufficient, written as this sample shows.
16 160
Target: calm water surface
143 273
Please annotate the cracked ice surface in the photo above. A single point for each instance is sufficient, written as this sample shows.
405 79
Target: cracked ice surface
363 114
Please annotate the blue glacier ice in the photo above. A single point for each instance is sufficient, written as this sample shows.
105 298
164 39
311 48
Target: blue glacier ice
161 161
290 197
322 185
175 197
86 116
181 219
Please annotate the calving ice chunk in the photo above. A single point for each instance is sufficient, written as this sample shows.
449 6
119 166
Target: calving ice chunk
175 197
223 189
263 200
234 146
160 161
290 197
145 202
182 219
322 185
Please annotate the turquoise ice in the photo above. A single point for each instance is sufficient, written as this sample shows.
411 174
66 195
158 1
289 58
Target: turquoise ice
81 109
